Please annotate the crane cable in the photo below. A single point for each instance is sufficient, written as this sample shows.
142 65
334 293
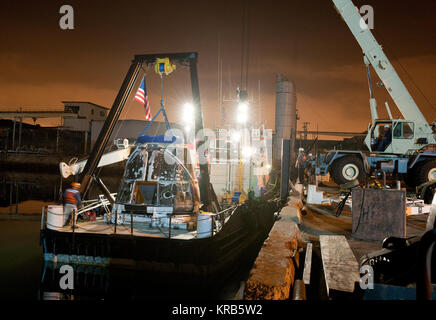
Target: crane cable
392 53
245 44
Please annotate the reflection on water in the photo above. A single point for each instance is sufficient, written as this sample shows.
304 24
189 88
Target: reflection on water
23 273
30 189
97 283
20 258
27 193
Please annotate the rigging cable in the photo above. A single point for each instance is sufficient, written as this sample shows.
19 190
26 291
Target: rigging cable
244 46
409 76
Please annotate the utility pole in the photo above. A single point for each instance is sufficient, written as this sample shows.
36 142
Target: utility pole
305 127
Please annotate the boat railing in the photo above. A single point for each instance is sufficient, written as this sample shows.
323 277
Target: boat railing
87 206
168 224
208 224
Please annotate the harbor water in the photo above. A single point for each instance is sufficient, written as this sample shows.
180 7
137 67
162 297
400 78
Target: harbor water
24 275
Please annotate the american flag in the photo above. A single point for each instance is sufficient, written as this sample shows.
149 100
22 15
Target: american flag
142 97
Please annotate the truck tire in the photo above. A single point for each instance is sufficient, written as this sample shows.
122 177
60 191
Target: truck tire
425 172
346 169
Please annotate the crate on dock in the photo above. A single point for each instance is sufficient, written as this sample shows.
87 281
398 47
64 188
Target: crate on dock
416 207
377 214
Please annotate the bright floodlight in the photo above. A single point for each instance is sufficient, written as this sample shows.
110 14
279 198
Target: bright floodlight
242 117
188 112
243 107
236 136
247 152
242 114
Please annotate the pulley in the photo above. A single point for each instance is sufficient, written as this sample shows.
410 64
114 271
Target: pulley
163 65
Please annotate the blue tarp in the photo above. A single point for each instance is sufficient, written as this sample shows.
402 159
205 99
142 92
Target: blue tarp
157 139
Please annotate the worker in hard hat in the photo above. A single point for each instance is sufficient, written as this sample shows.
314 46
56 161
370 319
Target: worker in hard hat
309 158
72 201
300 164
308 169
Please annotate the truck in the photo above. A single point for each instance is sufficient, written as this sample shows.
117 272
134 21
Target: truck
403 148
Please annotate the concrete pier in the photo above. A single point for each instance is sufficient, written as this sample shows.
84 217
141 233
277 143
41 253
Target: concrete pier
335 270
273 274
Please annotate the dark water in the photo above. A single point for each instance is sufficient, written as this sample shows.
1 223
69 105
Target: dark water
20 259
22 268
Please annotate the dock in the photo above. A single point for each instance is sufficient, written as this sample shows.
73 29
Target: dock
274 270
315 250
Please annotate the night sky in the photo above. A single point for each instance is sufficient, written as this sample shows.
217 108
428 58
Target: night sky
306 40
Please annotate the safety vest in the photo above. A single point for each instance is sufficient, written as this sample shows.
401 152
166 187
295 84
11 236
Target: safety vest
72 196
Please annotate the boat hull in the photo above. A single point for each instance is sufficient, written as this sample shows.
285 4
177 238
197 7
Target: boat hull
205 261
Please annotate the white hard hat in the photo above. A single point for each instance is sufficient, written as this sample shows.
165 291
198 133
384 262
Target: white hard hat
309 154
301 149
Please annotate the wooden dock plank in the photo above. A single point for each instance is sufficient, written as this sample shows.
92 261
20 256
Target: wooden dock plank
341 269
307 264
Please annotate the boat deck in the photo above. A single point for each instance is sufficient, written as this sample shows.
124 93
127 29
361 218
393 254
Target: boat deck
139 230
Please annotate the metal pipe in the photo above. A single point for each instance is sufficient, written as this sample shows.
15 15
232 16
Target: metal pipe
10 198
205 195
106 131
57 139
211 225
105 190
16 198
7 141
116 219
42 218
19 133
73 225
13 135
131 223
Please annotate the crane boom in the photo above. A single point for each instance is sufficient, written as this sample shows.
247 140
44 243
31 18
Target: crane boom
381 64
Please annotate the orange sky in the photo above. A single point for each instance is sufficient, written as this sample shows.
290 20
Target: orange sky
307 41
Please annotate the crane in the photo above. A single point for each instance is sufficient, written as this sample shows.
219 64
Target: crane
374 55
397 146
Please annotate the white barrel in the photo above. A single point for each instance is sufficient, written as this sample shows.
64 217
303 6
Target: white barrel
204 225
55 216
